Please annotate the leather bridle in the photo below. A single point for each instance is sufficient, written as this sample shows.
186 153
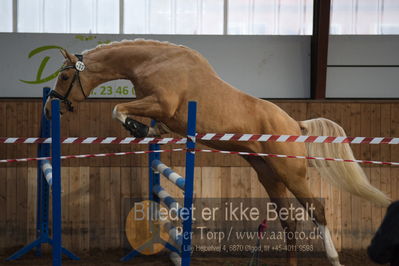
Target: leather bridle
79 66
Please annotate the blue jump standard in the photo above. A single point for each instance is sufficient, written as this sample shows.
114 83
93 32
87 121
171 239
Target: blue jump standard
156 192
53 180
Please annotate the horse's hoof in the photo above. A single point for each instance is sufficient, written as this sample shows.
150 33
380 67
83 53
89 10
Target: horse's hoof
136 129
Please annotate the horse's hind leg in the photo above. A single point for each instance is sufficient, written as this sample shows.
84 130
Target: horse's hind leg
278 194
293 173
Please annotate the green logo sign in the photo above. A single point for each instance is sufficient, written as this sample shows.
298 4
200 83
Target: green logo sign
39 79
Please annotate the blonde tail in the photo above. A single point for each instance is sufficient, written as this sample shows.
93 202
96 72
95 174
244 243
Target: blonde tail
349 176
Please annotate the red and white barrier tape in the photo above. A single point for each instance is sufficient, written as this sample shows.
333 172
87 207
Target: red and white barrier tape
87 155
96 140
201 150
297 157
209 137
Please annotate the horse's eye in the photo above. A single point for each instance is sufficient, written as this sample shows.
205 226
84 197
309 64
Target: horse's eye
64 77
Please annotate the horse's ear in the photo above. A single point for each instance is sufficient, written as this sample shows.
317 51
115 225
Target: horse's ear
72 58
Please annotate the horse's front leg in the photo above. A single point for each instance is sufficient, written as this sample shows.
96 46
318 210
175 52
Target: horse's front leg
146 107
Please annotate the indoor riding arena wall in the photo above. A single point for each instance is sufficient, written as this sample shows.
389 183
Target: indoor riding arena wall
94 190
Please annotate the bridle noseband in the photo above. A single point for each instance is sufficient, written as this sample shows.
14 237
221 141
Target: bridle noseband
79 66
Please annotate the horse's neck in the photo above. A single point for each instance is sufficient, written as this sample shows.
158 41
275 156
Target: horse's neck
118 63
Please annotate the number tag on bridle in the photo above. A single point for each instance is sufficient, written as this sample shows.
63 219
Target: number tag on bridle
80 66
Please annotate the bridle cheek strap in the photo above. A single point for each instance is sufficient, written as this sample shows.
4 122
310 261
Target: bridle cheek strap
79 66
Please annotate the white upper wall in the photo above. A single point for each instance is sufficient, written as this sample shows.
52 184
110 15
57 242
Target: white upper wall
363 67
263 66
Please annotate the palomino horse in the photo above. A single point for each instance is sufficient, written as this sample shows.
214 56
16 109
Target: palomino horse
167 76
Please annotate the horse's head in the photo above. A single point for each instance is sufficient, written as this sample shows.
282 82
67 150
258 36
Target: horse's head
70 86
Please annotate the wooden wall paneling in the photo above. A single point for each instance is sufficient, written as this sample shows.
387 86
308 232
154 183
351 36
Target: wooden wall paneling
3 208
387 181
142 182
386 130
337 192
22 171
102 131
74 131
115 204
395 148
237 189
204 159
23 129
22 197
246 197
178 158
314 110
236 183
395 182
395 131
246 182
102 208
365 219
136 180
337 217
114 131
300 111
379 126
34 114
93 126
334 112
3 178
11 128
65 132
261 192
227 179
106 181
84 131
31 204
85 208
377 211
199 203
3 131
75 200
17 196
95 235
11 208
171 159
346 198
126 161
197 182
65 207
331 209
366 124
140 160
211 189
356 201
126 199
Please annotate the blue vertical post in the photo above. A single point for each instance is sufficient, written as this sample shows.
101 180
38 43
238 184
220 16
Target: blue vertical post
189 187
56 185
153 177
154 181
42 185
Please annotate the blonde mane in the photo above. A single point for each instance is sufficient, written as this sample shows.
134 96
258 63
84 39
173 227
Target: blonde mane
129 43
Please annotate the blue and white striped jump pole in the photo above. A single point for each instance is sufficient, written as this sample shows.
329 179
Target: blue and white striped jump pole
173 177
